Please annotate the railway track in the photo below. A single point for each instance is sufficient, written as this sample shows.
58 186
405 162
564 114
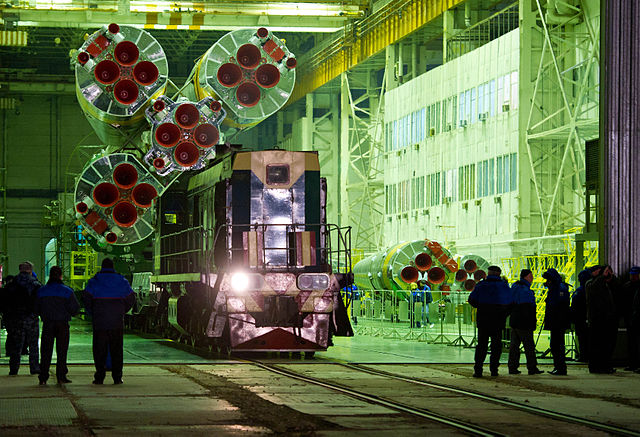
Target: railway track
473 426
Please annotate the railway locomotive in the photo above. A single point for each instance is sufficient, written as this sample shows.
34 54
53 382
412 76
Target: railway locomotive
243 257
250 263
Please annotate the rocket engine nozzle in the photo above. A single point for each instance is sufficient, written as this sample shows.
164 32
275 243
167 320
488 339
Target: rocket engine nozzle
229 75
409 274
167 134
469 284
423 262
106 194
267 75
158 105
125 175
248 94
291 63
126 53
126 91
262 32
461 275
187 115
106 72
145 73
83 58
206 135
248 56
82 208
479 275
111 237
186 154
143 194
216 106
158 163
114 28
125 214
470 266
436 275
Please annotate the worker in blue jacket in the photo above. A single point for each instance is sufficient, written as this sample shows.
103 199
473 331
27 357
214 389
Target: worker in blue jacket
557 318
523 323
492 298
108 296
55 305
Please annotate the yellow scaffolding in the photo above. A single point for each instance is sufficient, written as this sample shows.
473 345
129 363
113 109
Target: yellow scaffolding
84 264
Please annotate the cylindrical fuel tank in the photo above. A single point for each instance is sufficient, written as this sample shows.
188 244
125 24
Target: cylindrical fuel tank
119 70
398 266
250 71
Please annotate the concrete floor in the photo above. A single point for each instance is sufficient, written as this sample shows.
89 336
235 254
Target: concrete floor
168 391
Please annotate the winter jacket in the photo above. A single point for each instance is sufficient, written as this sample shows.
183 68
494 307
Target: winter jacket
625 301
601 308
19 295
523 313
56 302
492 297
557 313
579 300
108 296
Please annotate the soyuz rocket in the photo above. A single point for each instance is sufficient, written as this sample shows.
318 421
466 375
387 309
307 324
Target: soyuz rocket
150 138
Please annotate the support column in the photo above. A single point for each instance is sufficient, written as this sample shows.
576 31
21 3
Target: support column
619 215
447 32
345 109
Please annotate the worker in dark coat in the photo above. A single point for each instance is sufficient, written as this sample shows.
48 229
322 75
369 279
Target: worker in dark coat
629 291
523 323
557 318
492 298
602 318
22 324
55 305
579 315
108 296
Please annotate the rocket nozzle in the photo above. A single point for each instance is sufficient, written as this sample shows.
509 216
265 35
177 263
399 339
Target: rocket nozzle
423 262
145 73
248 56
470 265
409 274
291 63
126 91
248 94
187 115
114 28
158 105
167 134
461 275
82 208
158 163
125 214
267 76
229 75
143 194
186 154
111 237
469 284
106 72
262 32
125 175
106 194
216 106
126 53
83 57
436 275
479 275
206 135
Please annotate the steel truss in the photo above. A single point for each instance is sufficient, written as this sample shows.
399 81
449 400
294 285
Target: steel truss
563 111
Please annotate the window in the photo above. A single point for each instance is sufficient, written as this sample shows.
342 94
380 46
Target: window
492 98
513 173
466 182
474 113
514 89
500 93
462 109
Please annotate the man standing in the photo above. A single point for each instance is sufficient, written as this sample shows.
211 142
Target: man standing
22 324
603 320
55 304
523 323
108 296
629 291
557 318
492 298
579 315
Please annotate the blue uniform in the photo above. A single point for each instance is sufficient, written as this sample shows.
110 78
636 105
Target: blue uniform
557 317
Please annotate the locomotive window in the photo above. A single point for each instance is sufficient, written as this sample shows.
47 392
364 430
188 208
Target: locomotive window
277 174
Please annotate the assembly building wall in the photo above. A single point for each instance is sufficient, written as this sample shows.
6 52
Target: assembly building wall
451 152
39 137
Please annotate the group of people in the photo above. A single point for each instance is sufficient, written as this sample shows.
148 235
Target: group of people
24 301
594 309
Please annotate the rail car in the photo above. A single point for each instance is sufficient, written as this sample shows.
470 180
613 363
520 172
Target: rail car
245 260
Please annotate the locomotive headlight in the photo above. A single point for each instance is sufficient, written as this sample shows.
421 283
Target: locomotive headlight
313 281
240 282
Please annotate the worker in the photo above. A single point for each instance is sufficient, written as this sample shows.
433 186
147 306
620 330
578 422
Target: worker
602 318
492 298
56 304
579 316
523 323
427 299
108 296
22 324
629 291
557 318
